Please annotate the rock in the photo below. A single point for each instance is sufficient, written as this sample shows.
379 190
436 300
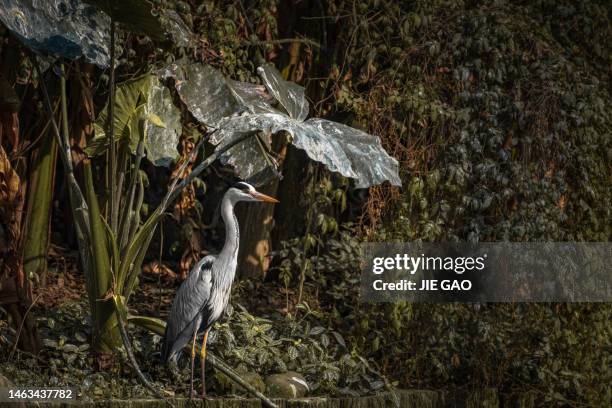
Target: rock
6 383
250 377
255 380
286 385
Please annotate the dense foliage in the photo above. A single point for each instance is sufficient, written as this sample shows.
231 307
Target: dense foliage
500 114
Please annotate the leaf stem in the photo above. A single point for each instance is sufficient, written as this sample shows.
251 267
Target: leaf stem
130 353
110 125
219 365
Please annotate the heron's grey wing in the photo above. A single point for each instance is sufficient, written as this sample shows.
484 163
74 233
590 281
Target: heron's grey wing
193 293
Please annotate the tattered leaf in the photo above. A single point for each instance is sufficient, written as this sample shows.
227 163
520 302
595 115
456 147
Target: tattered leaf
290 95
203 90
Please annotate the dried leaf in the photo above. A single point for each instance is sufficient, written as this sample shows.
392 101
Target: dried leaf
9 101
9 180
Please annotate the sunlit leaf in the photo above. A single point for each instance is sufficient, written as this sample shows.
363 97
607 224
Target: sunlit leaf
203 90
348 151
290 95
68 29
142 99
156 120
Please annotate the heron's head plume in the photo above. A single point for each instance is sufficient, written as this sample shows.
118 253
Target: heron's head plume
242 191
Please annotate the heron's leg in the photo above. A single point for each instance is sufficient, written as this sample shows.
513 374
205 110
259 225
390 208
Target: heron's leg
203 362
195 334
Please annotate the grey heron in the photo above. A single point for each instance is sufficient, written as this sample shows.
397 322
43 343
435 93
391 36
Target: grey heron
202 297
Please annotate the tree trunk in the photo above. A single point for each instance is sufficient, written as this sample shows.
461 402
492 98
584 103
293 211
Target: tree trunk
289 213
256 224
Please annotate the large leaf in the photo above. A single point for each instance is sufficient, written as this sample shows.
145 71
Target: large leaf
248 158
290 95
251 98
368 160
130 99
176 28
203 90
137 15
68 29
162 137
141 16
142 99
236 108
348 151
211 98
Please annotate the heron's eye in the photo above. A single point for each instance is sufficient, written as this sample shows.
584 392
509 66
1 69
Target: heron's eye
244 187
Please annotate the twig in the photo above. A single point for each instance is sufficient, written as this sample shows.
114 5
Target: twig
219 365
23 319
130 353
42 133
174 191
110 125
77 200
216 362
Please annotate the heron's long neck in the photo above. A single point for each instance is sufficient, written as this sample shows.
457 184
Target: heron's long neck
229 254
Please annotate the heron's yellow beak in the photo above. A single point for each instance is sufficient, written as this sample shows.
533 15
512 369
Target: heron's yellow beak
262 197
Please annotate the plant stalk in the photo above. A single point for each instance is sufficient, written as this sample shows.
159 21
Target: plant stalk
130 353
103 316
40 195
110 124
